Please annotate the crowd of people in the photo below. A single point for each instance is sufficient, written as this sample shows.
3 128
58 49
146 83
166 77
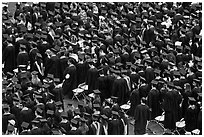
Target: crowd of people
146 54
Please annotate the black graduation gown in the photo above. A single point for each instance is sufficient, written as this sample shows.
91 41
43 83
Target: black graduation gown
110 81
141 116
114 127
169 108
32 55
191 117
36 131
22 58
102 86
26 116
25 132
9 59
70 83
91 79
16 111
53 66
5 119
134 100
120 90
75 132
63 66
66 126
144 90
153 103
149 75
82 69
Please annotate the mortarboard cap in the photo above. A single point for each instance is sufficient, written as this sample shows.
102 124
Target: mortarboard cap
176 73
15 99
5 106
39 110
25 125
96 105
51 76
64 114
58 103
104 117
157 71
96 91
154 82
34 72
74 121
200 94
115 113
43 120
191 99
50 112
55 132
35 121
10 128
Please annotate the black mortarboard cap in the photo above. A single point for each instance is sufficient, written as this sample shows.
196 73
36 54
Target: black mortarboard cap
55 132
38 96
96 105
119 64
96 91
10 128
34 72
157 71
104 117
25 125
191 99
50 112
43 120
35 121
58 103
74 121
39 110
5 106
44 36
56 80
115 113
154 82
176 73
15 99
64 114
51 76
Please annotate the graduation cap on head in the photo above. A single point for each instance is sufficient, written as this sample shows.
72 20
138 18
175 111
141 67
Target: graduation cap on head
96 91
199 94
57 80
14 79
37 24
51 13
178 88
157 71
38 96
96 105
70 102
176 73
154 82
138 19
182 72
5 36
34 72
9 74
196 80
64 114
45 86
5 106
35 122
170 84
86 114
10 128
115 113
15 99
29 35
58 103
43 120
104 117
191 99
114 98
81 103
119 64
4 82
77 112
55 132
44 36
38 35
39 110
51 76
25 125
74 122
50 112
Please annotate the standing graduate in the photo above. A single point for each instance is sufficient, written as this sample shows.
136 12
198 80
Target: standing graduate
70 76
142 115
153 100
22 57
92 76
8 58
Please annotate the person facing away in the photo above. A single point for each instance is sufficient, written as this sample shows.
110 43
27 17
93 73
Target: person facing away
141 116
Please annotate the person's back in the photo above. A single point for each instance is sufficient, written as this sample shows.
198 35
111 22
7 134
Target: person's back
142 114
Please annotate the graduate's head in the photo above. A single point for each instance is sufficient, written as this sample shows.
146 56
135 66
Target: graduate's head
143 100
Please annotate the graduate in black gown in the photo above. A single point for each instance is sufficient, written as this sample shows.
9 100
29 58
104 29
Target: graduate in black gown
70 76
8 58
153 100
141 116
92 76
